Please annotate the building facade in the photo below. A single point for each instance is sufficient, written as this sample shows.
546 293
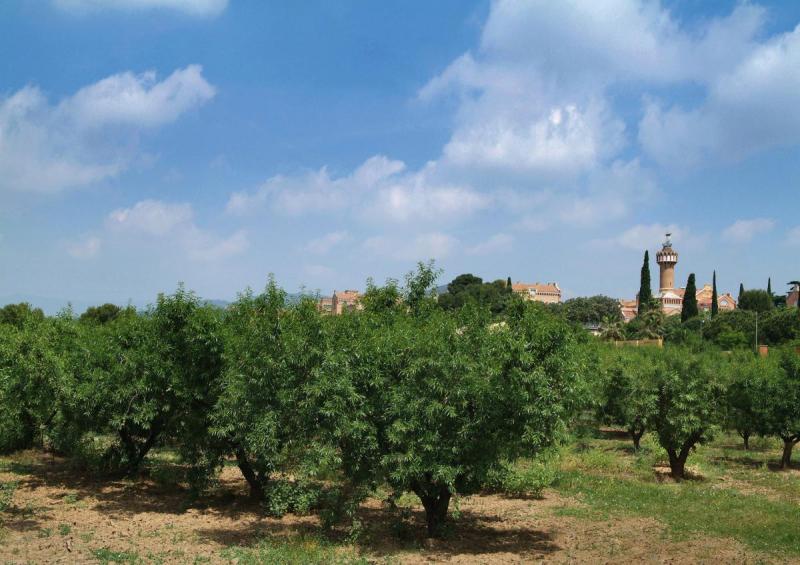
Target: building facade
670 298
549 293
341 301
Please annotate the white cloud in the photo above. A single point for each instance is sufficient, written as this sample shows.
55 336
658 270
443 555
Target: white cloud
749 108
191 7
85 138
432 245
742 231
85 248
322 245
138 100
498 243
151 217
379 190
174 223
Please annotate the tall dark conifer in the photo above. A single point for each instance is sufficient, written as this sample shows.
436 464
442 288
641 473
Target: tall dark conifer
645 292
741 292
714 297
508 285
769 286
689 309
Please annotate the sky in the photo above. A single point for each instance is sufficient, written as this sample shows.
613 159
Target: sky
145 143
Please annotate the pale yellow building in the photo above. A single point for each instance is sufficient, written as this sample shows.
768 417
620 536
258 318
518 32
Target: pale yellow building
341 301
549 293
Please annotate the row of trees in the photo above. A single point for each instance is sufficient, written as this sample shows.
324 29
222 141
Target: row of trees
685 396
403 393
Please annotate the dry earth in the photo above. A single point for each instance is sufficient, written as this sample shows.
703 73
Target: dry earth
62 516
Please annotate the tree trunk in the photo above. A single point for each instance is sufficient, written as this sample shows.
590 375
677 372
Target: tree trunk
746 438
677 460
436 500
253 479
637 436
788 445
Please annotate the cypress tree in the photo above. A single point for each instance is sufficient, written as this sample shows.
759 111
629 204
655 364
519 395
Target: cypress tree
769 286
714 297
508 284
689 309
645 293
741 292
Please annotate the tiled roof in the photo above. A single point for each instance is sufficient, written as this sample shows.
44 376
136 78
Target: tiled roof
538 287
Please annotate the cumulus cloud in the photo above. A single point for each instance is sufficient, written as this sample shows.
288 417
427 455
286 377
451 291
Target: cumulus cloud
378 190
748 108
190 7
85 138
742 231
174 223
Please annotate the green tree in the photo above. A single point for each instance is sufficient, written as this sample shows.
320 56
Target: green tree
714 297
509 286
769 286
745 394
689 308
688 404
273 350
782 404
756 301
645 292
627 396
20 314
591 310
101 314
741 292
436 403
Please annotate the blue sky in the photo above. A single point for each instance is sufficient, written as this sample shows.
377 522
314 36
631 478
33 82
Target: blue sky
146 142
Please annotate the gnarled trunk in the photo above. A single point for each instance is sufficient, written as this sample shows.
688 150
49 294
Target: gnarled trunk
255 479
636 435
746 437
436 500
788 445
677 459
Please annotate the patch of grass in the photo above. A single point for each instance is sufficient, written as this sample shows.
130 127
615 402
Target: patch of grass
299 550
7 490
45 533
64 529
70 498
86 537
105 556
694 508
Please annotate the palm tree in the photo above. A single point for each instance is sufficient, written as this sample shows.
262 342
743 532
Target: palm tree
653 323
611 329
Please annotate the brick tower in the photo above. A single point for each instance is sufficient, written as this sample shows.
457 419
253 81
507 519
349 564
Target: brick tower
666 259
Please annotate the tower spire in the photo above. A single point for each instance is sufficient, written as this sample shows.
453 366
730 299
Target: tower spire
667 258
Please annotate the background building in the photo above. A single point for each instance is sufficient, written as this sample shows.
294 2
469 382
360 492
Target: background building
671 298
341 301
549 293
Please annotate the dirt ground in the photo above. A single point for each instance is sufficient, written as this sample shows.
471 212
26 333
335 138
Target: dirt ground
59 515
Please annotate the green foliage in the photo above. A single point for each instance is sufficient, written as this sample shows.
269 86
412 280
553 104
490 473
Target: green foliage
645 291
102 314
19 315
469 289
756 301
627 397
781 403
591 310
714 297
7 490
731 330
689 308
688 403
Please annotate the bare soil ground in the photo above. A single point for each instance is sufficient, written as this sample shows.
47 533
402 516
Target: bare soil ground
60 515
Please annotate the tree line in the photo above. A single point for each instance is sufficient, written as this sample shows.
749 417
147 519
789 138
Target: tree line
407 393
